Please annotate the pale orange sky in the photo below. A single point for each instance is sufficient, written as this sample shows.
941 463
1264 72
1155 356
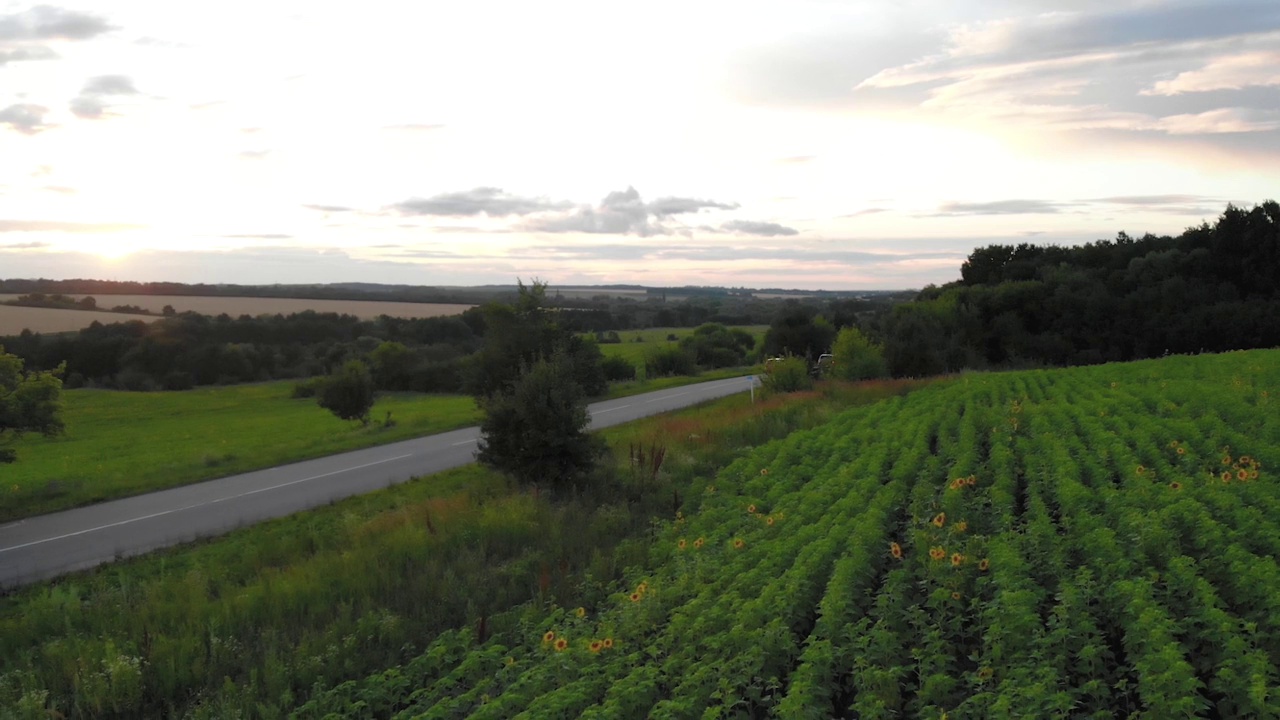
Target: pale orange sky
808 144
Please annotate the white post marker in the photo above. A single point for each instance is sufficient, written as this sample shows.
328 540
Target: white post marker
751 380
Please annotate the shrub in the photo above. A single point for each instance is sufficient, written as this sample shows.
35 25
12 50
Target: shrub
618 369
789 374
857 358
349 393
662 362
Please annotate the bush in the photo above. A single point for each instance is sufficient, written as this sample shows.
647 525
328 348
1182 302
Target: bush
857 358
536 431
307 388
670 361
618 369
349 393
789 374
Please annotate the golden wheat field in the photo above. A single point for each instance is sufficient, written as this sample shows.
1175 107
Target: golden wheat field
14 319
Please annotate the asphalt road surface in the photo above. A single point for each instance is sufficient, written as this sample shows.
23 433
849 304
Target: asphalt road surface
49 545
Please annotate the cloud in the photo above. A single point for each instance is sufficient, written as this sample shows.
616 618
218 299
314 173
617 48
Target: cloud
92 100
1153 199
30 245
1230 72
45 22
1145 68
663 207
30 52
623 212
1001 207
259 236
62 226
867 211
490 201
1223 120
796 160
329 208
26 118
253 154
766 229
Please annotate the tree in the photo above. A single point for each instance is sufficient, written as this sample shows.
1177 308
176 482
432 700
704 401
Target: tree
29 402
798 330
856 357
537 431
349 392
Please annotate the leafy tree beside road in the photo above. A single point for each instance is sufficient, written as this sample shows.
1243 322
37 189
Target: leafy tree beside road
29 402
532 379
349 393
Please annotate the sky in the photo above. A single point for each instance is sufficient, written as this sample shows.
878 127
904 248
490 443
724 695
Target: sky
813 144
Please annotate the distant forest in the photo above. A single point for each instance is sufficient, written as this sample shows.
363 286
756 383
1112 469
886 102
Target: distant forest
1212 288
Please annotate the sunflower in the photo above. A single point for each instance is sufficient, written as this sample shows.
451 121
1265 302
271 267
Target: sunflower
940 519
768 520
751 508
764 471
681 544
1226 459
895 550
1141 470
1173 443
1245 460
937 553
957 559
580 612
1226 476
971 480
1242 474
698 543
962 526
595 646
642 587
1253 474
1182 450
1175 485
738 543
561 645
957 484
548 636
607 643
955 596
634 597
983 564
985 673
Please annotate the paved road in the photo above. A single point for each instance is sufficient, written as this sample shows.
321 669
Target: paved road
50 545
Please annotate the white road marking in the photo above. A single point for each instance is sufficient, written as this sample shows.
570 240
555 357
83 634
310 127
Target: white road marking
464 442
667 397
601 412
210 502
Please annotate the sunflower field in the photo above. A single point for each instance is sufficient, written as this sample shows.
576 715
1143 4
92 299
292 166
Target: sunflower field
1095 542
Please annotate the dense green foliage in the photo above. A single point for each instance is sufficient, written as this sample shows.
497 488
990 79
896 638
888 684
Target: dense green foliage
29 402
799 330
857 357
788 374
537 432
1211 289
1096 542
348 393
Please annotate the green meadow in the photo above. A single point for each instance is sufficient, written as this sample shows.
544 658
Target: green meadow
121 443
637 343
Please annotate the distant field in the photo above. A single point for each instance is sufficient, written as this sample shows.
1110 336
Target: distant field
635 343
236 306
14 320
